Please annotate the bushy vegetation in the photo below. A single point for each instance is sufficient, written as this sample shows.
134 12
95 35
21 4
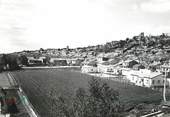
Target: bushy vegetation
12 62
98 101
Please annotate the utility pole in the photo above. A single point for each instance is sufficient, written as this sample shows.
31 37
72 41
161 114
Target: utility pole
164 91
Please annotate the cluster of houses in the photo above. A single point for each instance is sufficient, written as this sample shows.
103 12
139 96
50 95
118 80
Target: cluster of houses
129 69
54 61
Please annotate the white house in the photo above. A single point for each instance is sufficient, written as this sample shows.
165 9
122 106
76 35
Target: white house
107 68
145 78
89 69
35 61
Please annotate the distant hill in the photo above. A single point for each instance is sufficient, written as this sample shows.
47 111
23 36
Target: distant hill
141 41
147 48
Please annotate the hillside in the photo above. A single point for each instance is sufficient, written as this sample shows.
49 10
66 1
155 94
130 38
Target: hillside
151 52
141 46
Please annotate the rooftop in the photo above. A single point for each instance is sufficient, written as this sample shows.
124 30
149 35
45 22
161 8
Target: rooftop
145 73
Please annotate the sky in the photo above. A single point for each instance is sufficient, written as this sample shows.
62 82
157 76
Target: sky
34 24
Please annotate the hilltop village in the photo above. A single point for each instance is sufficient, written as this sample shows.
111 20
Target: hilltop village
140 60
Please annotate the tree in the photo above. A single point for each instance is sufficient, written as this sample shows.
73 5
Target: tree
23 60
103 101
11 61
98 101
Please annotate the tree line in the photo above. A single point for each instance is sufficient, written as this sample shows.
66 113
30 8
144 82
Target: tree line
12 61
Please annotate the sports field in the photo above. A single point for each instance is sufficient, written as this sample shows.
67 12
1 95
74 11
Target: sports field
43 85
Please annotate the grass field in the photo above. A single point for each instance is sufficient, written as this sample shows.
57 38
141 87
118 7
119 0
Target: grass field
39 85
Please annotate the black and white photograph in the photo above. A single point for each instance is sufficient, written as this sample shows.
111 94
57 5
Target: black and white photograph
84 58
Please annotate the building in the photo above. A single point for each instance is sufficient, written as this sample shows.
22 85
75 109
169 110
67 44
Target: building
58 61
129 63
75 61
145 78
35 61
90 67
101 58
108 68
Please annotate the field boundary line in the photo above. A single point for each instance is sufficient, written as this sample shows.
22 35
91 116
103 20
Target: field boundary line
11 80
50 67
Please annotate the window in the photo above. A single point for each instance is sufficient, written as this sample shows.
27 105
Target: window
147 81
153 81
158 81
